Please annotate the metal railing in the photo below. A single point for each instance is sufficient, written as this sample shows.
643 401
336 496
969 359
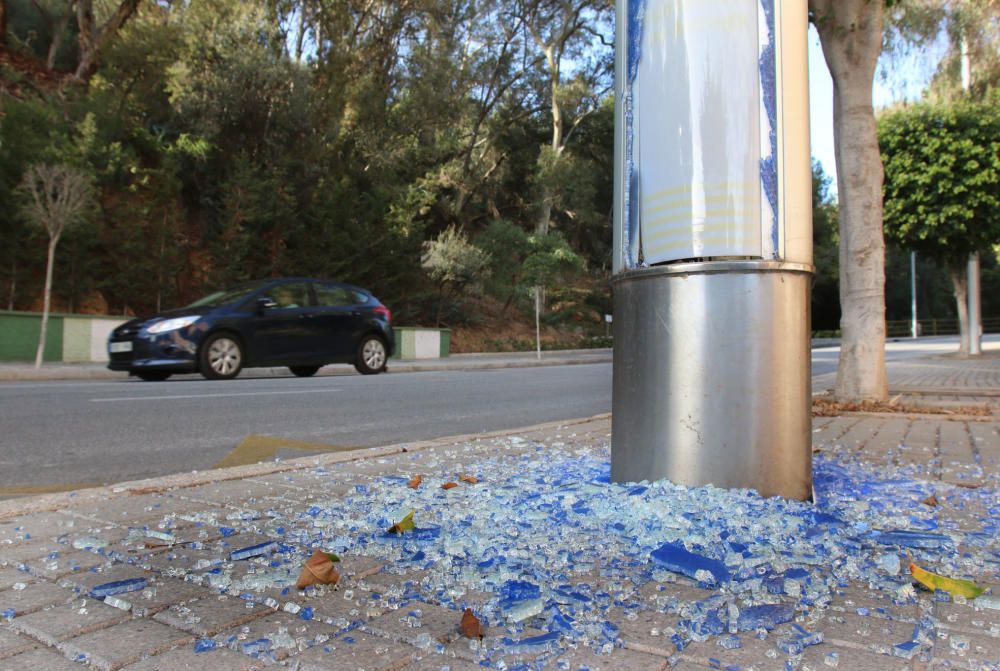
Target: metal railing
934 327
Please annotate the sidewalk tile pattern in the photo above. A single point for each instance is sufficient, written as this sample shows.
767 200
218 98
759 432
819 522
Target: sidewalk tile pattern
203 609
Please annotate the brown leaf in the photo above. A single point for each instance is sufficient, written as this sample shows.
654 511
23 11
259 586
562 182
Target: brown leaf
449 485
471 479
931 501
318 570
415 482
471 627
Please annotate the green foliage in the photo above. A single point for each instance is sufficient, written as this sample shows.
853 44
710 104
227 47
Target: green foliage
453 264
550 260
450 259
219 150
826 253
942 178
508 246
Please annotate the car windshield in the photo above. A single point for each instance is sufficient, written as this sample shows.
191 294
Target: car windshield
227 296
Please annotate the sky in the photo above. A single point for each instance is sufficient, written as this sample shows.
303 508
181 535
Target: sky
909 76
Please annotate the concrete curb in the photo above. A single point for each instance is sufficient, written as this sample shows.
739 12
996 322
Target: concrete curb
25 373
68 500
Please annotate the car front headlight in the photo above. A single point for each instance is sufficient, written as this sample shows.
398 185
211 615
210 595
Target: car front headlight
172 324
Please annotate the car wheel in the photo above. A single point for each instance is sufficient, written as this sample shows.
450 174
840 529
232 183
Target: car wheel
152 377
303 371
221 357
371 355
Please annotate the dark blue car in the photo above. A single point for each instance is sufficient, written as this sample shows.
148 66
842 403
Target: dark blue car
302 323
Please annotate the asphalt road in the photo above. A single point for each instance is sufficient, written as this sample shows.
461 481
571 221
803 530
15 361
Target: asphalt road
58 434
63 435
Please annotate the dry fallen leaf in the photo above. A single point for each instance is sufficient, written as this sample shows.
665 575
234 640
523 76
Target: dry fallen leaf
405 524
319 570
471 479
449 485
471 627
931 501
933 581
415 482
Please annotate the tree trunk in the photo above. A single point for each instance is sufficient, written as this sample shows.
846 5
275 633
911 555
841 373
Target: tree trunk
58 29
542 226
46 301
851 36
92 39
3 24
960 286
538 322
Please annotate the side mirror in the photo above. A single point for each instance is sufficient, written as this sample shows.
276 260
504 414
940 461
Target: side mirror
265 303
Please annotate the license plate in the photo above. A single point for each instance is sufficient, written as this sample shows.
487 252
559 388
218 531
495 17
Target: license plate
118 347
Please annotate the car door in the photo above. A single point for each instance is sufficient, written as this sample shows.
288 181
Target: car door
338 320
284 333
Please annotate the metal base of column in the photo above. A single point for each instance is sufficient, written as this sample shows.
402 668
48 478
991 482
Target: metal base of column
712 376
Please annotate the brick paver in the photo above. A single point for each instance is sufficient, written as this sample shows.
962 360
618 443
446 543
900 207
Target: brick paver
40 658
210 615
112 648
12 643
59 623
186 659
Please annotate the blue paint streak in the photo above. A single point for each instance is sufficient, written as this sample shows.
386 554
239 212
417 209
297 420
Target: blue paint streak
636 18
769 93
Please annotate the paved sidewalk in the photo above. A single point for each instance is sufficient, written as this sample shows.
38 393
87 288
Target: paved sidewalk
542 517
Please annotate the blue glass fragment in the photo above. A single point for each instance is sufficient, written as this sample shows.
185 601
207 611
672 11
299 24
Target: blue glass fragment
227 531
417 534
541 639
118 587
306 613
258 550
8 614
913 539
515 591
675 557
906 650
256 647
205 645
767 616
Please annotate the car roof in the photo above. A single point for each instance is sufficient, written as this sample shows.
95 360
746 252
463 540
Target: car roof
324 280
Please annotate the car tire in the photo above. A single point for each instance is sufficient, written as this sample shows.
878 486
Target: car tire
221 357
303 371
372 355
152 376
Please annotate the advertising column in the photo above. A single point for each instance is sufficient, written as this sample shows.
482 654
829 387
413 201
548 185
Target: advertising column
713 245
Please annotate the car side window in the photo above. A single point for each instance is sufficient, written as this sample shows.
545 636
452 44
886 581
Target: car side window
291 295
332 296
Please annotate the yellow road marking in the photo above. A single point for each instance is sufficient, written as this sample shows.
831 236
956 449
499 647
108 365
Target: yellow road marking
47 489
255 448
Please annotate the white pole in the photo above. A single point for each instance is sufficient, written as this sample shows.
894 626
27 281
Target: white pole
914 327
975 316
974 297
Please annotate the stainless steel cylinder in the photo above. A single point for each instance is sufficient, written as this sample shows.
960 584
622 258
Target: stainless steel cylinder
712 376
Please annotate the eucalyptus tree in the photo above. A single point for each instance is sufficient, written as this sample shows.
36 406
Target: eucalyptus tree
969 31
96 30
575 38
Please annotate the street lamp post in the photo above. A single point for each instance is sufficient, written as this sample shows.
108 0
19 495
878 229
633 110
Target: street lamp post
713 245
